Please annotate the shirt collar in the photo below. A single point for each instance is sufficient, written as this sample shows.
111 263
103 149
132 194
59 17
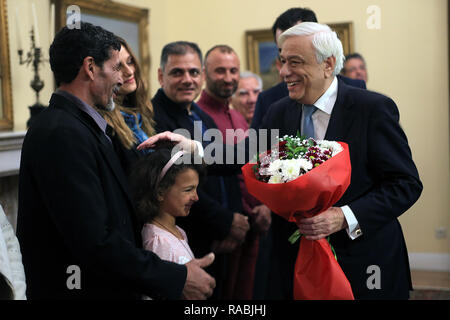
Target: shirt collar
326 102
98 119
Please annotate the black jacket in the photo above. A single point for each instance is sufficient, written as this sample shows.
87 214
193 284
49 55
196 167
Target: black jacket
75 209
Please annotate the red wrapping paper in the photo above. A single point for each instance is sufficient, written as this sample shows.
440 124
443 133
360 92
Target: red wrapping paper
317 274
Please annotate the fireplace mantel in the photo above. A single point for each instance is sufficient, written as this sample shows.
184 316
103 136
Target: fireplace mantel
10 148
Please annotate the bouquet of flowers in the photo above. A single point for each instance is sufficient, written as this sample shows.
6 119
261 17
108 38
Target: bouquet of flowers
304 178
296 157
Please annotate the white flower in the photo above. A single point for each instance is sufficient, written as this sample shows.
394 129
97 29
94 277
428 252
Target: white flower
275 166
290 169
305 164
276 178
333 145
287 170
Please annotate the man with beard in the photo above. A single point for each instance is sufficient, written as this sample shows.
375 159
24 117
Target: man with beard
215 222
76 223
222 78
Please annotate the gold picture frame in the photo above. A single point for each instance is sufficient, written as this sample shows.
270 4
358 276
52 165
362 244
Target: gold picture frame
262 52
344 31
6 107
262 55
126 21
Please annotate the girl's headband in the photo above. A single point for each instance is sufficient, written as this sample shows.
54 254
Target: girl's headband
170 163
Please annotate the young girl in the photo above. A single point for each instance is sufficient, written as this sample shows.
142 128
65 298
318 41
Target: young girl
165 187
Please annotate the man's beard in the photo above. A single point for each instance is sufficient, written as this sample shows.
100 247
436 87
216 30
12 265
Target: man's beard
110 106
217 87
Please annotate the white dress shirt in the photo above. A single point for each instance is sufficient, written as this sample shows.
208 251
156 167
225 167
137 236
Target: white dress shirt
320 119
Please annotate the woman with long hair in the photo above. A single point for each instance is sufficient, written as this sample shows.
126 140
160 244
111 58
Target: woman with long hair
132 118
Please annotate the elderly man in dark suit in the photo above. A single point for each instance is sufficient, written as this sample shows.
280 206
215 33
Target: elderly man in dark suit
363 225
284 21
76 223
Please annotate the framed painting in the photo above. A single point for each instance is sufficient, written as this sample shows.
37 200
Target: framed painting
262 52
6 108
123 20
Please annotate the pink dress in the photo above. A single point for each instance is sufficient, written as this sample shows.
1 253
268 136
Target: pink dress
166 245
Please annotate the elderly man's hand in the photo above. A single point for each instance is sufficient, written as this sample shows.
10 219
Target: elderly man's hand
322 225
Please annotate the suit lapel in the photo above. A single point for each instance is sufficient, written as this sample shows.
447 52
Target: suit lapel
113 162
292 118
342 116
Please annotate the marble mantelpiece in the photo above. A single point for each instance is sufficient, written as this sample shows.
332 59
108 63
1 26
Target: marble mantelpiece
10 148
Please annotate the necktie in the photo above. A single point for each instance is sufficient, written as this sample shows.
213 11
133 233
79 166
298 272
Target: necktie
308 125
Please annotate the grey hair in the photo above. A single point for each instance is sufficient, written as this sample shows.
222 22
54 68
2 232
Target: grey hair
325 41
179 48
249 74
